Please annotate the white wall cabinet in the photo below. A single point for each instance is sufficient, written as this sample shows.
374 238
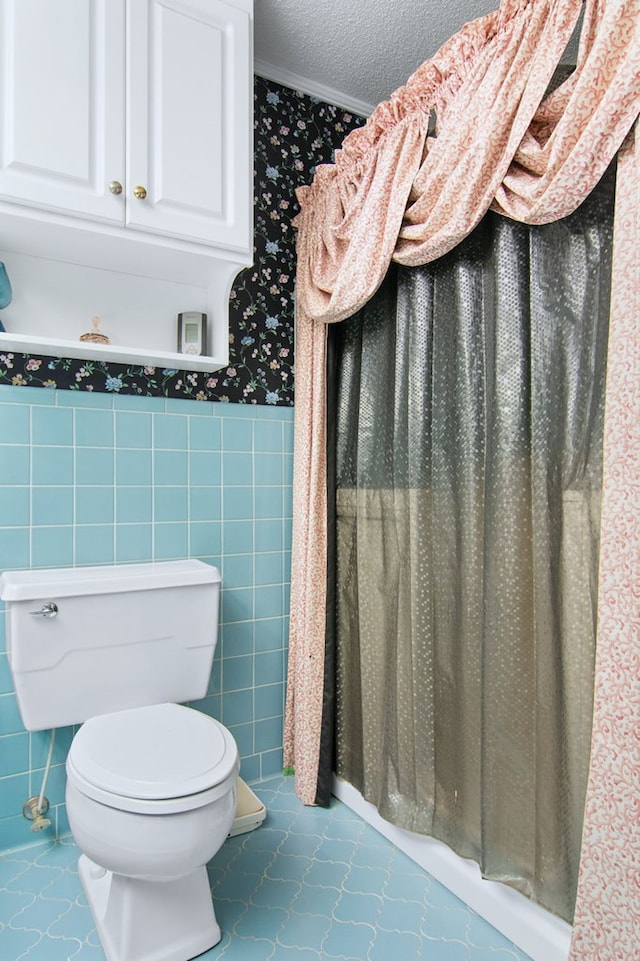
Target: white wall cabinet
125 146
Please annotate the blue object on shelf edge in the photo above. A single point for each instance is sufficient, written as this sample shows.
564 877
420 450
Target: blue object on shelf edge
5 288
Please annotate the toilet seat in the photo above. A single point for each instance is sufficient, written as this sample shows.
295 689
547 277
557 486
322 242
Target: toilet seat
160 759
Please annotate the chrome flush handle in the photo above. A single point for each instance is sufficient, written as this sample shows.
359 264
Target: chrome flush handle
49 609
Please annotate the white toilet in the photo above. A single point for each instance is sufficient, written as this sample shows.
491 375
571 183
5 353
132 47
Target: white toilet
151 784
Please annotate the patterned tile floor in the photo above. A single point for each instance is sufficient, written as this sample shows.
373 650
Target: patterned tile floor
310 884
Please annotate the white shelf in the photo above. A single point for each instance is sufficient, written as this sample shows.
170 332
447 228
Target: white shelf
54 303
107 353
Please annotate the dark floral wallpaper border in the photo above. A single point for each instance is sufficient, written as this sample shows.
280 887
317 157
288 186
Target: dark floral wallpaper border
293 133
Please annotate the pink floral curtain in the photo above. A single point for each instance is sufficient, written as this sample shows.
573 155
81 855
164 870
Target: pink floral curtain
607 921
399 191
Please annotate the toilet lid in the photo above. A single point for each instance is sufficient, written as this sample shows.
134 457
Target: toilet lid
154 753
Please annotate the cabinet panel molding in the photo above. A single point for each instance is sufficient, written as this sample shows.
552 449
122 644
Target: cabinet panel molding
189 144
61 136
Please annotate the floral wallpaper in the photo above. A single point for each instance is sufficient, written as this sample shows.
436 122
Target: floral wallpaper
293 133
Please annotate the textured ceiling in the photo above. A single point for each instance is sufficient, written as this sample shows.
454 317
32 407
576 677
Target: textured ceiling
354 52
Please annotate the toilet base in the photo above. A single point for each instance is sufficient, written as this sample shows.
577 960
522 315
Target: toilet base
140 920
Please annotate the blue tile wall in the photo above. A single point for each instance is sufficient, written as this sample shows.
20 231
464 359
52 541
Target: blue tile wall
97 480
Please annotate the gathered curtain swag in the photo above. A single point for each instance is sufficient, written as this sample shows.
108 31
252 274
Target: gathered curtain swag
400 191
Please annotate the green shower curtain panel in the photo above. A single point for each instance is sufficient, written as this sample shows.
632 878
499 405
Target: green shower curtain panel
469 409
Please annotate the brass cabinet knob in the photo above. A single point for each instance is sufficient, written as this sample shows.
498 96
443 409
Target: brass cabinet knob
115 187
139 192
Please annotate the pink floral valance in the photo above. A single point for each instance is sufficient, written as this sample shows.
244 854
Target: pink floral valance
399 191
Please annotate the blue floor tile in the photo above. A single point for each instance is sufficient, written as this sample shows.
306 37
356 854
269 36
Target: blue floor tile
359 908
387 945
349 939
400 916
40 915
304 931
364 880
316 900
260 922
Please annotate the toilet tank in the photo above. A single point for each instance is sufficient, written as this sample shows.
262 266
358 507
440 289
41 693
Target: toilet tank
123 636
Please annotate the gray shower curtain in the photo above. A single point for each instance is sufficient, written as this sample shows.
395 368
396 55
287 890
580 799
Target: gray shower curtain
468 414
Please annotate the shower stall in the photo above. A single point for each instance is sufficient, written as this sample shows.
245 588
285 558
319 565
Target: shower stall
468 401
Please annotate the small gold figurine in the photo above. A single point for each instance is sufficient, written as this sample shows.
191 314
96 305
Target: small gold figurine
95 336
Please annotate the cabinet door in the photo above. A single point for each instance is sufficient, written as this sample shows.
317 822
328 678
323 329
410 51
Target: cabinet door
61 104
189 139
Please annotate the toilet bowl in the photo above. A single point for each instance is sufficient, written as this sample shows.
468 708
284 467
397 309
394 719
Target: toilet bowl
151 784
151 796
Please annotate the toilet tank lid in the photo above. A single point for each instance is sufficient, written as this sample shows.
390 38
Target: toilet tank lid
106 579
